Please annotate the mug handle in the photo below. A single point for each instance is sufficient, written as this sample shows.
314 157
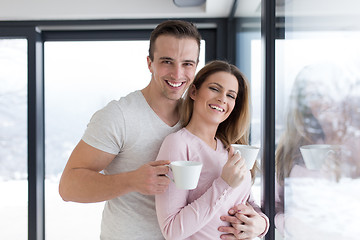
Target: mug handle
168 165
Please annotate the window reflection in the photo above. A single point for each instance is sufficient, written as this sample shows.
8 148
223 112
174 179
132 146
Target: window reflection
317 155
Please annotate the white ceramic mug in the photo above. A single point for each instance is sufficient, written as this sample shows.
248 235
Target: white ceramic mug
316 155
186 173
249 153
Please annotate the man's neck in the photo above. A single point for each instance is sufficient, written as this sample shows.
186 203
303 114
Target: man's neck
165 108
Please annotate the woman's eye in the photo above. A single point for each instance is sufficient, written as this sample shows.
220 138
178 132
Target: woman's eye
214 89
231 96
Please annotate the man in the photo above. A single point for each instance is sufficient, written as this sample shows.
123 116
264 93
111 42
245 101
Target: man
123 139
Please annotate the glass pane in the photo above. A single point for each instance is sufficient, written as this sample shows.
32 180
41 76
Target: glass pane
80 78
318 124
13 139
249 46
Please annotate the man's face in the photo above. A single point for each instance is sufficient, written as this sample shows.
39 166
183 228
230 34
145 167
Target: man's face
174 65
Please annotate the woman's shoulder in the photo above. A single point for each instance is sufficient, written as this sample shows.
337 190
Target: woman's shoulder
179 136
174 147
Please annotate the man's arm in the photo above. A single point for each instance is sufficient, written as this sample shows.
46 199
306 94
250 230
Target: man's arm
82 181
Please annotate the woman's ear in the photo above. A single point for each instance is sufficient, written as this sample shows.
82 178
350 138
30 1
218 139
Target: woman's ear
192 91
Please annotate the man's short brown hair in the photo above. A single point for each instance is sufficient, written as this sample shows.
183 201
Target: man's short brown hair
176 28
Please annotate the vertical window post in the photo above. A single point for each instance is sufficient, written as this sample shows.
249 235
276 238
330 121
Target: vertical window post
36 153
268 111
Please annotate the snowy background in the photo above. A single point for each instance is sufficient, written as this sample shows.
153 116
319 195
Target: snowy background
82 77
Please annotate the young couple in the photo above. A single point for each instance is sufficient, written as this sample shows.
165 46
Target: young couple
114 161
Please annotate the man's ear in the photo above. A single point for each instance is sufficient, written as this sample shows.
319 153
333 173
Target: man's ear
149 63
192 92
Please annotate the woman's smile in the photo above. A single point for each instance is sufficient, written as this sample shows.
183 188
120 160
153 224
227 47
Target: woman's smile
217 107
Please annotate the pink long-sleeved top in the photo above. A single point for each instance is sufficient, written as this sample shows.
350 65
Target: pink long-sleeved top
195 214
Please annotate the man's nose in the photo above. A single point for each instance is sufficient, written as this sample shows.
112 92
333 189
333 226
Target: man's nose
177 72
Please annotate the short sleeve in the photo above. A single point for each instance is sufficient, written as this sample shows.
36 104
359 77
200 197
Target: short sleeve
106 129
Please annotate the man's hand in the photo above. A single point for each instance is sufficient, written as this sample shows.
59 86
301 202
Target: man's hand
246 223
150 179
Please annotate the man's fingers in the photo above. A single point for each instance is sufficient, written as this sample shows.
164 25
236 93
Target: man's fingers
228 237
242 217
247 210
163 180
244 209
161 170
233 233
230 230
159 163
230 219
160 166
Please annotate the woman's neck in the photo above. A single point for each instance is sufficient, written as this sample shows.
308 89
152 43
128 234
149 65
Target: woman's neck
204 132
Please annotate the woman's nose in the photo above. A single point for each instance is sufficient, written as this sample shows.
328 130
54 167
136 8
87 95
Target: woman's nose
221 98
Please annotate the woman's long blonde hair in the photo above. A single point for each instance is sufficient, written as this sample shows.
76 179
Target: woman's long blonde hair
236 128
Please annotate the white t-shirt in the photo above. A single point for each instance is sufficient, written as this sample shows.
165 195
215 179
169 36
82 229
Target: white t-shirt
130 129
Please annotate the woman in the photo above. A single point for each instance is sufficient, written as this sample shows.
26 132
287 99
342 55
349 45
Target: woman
215 114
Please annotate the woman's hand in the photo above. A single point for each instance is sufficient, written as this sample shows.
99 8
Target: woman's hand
245 222
234 170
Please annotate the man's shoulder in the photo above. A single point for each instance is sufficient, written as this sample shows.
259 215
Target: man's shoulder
131 101
131 98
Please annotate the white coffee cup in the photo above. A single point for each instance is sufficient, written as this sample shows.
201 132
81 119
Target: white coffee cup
249 153
316 155
186 173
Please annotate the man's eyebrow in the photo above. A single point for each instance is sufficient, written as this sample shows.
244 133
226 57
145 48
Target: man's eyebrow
190 61
166 58
171 59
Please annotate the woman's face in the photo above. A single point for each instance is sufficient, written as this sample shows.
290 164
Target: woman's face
215 99
330 115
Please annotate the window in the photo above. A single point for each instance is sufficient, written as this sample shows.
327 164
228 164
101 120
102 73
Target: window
249 46
317 105
13 139
80 78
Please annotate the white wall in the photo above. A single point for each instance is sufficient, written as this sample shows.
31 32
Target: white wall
107 9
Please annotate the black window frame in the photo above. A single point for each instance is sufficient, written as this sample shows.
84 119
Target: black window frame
35 126
215 32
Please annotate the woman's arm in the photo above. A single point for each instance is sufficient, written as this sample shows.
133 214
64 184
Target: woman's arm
179 219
